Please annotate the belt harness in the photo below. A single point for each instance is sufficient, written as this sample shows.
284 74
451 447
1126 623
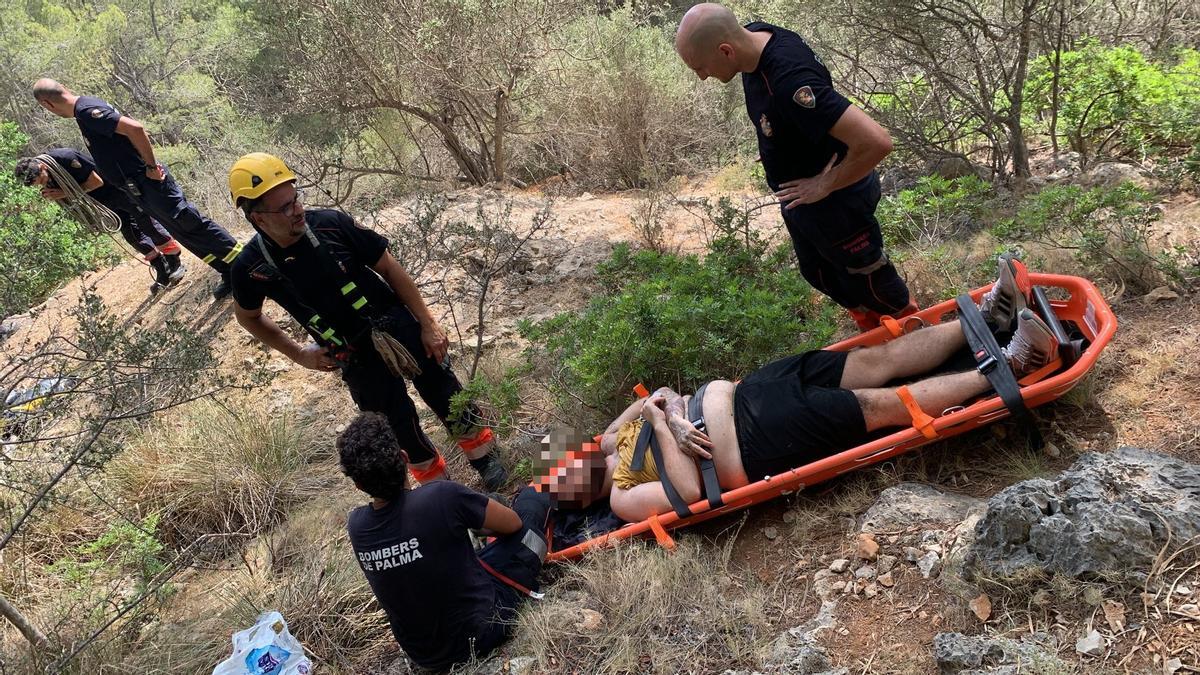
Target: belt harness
397 358
708 469
990 361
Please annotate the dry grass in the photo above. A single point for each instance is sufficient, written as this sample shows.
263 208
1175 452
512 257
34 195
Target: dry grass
210 470
659 612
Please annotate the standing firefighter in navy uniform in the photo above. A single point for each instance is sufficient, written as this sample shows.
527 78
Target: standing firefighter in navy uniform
362 309
819 153
139 230
125 159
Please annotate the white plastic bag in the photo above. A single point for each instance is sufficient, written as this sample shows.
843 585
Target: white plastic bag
266 648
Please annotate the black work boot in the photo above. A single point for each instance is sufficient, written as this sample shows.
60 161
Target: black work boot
491 471
175 267
223 289
162 277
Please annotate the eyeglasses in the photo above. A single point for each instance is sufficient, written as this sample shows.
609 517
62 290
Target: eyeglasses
287 208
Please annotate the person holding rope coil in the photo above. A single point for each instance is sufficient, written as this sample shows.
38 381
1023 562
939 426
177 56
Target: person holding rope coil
69 177
364 312
125 159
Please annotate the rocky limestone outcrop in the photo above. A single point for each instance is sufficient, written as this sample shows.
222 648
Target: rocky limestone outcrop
1108 515
910 504
958 654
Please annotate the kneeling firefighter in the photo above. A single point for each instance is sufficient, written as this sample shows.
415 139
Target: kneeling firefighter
362 309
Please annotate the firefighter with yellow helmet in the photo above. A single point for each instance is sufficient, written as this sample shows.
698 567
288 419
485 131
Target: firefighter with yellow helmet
364 312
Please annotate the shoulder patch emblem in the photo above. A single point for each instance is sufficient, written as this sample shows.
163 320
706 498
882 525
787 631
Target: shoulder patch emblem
804 97
765 125
97 112
75 164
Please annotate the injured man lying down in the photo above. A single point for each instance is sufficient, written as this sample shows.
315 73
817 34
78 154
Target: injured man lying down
793 411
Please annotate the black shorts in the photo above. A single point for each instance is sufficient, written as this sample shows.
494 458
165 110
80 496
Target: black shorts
792 412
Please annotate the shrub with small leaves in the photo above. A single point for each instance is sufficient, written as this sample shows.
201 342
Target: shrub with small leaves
681 320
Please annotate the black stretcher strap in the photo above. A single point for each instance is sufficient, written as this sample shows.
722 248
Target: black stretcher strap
708 469
1068 350
647 438
991 362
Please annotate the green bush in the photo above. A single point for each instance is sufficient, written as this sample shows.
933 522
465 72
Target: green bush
677 320
1113 101
933 210
39 246
125 549
1106 229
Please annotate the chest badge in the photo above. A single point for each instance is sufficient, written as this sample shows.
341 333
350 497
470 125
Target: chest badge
75 164
97 113
765 125
804 97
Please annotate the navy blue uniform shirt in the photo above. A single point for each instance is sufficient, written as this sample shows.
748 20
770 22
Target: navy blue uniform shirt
419 561
792 103
116 158
79 165
305 284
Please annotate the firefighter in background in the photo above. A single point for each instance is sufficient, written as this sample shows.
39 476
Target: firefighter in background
142 232
819 153
125 159
365 313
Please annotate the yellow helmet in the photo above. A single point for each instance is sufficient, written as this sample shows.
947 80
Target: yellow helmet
253 175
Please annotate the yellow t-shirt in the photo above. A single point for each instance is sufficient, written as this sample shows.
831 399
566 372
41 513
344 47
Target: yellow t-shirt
624 477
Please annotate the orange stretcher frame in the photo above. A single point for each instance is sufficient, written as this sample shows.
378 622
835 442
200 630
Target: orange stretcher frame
1084 306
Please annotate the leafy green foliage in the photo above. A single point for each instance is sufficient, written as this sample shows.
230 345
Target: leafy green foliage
680 320
125 548
1107 229
39 246
1115 101
936 208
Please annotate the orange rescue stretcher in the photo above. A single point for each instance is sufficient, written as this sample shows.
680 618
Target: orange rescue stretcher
1080 310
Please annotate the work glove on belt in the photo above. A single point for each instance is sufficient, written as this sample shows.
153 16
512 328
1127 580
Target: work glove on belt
396 356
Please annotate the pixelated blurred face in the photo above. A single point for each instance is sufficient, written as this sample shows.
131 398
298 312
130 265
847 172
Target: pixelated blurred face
577 482
572 468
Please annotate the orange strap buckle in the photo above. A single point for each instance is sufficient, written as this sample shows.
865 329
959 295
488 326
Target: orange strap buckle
641 390
920 420
903 325
660 534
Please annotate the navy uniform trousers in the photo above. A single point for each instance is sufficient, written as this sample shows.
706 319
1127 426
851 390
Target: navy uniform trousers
193 230
141 231
839 247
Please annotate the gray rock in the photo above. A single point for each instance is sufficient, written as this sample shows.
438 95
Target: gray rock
885 563
865 572
1108 174
956 653
910 504
952 167
822 586
930 565
912 554
1107 515
1091 644
1067 160
13 324
840 565
796 651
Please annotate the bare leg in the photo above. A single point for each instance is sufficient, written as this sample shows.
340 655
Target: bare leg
882 408
913 354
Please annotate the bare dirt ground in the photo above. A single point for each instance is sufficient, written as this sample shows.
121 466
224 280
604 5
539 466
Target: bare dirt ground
1145 391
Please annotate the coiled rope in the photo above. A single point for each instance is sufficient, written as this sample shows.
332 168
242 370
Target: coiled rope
78 204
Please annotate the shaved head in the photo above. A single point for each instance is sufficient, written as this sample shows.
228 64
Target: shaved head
47 89
705 27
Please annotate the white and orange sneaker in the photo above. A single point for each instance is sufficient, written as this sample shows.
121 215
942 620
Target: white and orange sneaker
1008 296
1032 346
